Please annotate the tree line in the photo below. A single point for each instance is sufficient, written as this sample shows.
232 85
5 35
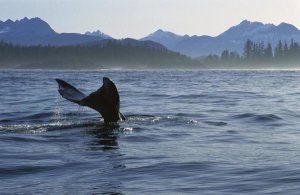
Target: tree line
259 53
110 54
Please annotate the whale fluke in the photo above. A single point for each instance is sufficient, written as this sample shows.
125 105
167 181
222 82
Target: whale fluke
69 92
105 100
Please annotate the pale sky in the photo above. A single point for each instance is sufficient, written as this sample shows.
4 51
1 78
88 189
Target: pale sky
138 18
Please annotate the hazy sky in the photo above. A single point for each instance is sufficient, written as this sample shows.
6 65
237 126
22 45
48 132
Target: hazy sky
137 18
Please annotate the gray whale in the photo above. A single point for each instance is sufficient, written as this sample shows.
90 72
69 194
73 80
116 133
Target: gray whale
105 100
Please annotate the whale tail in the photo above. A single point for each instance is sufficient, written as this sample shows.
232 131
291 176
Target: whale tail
105 100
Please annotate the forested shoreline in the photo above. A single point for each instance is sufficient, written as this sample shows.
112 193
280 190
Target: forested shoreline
259 54
114 54
111 54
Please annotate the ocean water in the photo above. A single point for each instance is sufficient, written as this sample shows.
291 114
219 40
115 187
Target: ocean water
187 132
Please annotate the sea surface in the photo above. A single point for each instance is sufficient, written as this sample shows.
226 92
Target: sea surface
187 132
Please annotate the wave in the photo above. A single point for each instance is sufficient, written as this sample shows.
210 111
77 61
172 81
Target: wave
38 128
259 117
48 121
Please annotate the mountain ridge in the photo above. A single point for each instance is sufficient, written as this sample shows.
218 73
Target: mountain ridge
98 33
36 31
231 39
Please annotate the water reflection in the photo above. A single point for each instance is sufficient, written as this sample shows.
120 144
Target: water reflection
104 145
105 137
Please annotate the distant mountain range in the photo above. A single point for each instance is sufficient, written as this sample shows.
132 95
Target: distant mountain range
232 39
37 32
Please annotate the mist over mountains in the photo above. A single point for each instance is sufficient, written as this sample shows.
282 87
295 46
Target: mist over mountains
35 31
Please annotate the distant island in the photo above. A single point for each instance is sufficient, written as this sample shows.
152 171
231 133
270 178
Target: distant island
32 43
